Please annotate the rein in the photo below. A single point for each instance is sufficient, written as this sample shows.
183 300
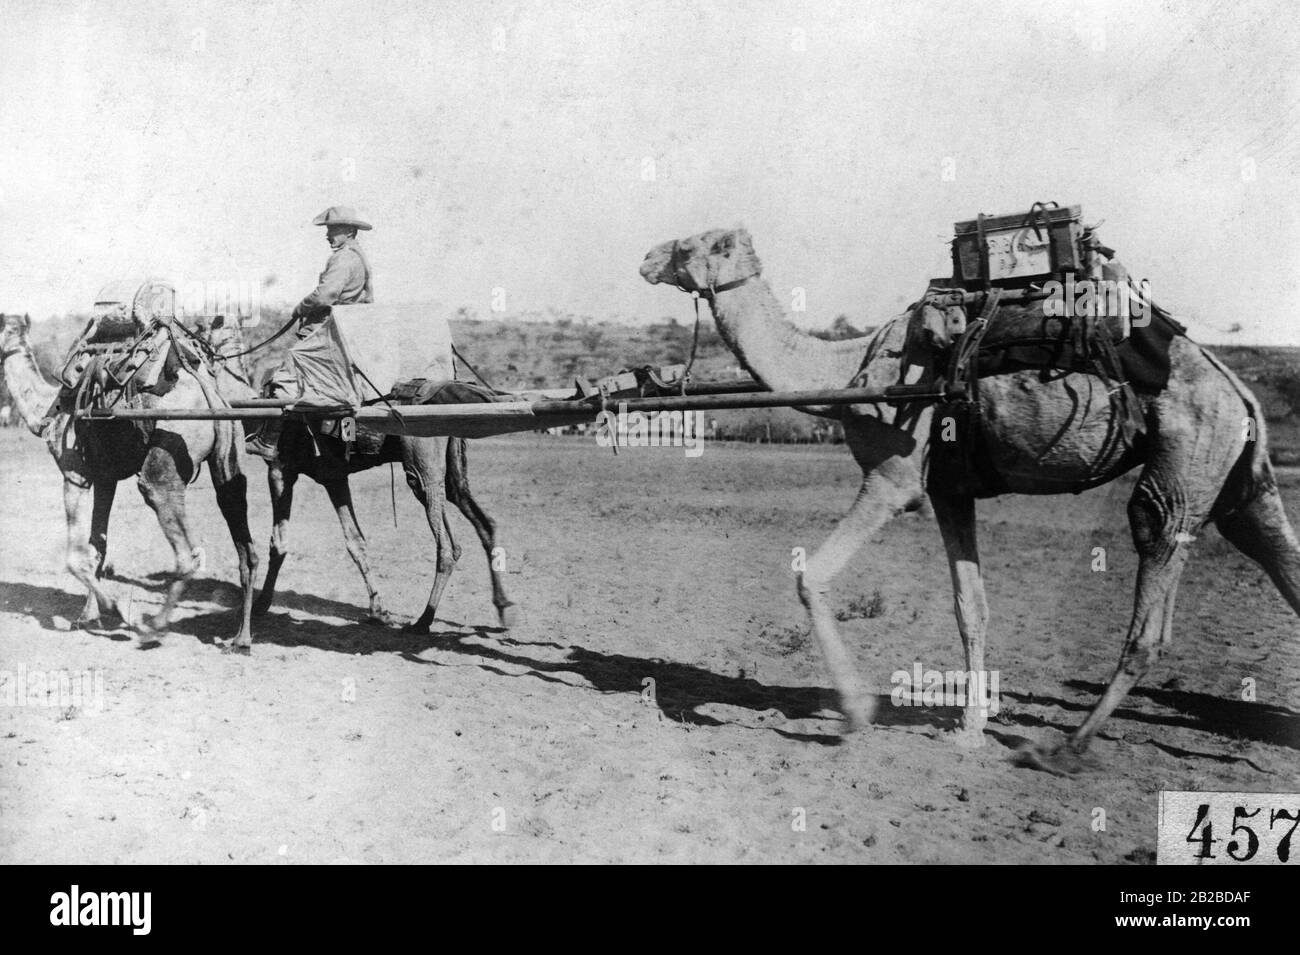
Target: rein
687 284
260 345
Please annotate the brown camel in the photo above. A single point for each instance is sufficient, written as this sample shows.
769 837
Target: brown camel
436 471
1204 458
97 455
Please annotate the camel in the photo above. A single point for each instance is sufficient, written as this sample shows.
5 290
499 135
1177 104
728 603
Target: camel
1198 464
97 455
435 474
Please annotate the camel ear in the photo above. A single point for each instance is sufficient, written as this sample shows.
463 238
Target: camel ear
27 322
219 322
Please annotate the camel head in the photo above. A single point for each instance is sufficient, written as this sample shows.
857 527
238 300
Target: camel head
13 335
224 335
703 263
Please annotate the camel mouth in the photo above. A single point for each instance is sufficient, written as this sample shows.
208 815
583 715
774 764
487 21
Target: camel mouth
654 268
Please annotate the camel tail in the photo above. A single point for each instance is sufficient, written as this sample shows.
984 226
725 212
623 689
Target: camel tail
457 473
225 449
1252 476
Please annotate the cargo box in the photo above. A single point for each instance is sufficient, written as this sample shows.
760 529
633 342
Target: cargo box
1014 251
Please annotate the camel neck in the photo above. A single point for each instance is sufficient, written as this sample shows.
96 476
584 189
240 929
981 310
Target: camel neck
784 358
31 393
231 374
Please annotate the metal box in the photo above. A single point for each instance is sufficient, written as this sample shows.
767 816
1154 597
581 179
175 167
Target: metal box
1015 250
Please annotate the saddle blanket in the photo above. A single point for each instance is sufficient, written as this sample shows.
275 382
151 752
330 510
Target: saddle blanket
1022 338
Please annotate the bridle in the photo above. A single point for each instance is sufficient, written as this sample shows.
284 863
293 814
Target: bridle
678 258
16 349
215 357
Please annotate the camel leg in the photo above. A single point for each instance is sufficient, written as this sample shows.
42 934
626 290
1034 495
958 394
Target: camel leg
459 493
341 497
877 502
1159 517
163 489
1261 531
82 559
281 482
448 555
956 517
103 492
421 460
232 499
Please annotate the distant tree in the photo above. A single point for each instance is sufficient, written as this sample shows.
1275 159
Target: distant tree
840 329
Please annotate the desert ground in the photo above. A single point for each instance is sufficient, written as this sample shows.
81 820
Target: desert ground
661 700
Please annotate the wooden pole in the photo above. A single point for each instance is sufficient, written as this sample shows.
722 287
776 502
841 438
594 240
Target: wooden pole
586 408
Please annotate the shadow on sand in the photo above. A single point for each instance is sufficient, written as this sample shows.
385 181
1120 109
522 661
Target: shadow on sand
681 689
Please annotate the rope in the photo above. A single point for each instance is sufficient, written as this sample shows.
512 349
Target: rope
474 371
695 340
262 344
392 491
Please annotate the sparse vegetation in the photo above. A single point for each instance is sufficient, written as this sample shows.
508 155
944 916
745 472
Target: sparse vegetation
863 608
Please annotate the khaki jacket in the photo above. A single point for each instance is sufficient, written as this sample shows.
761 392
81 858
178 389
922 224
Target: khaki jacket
345 281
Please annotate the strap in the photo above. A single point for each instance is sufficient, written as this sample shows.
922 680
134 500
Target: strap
713 290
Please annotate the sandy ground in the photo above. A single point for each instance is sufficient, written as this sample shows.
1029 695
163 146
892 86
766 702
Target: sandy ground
661 700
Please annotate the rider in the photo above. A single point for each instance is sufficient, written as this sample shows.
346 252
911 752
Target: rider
345 281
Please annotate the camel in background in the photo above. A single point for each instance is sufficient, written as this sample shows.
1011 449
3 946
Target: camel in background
1198 464
436 471
97 455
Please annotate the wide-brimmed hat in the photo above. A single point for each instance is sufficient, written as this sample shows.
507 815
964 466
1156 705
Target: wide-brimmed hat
341 215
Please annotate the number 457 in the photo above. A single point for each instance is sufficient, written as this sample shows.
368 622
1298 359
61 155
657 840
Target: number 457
1235 846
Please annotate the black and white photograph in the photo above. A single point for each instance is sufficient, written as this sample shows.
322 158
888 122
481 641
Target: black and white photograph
717 432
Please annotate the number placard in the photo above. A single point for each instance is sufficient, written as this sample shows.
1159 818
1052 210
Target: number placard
1210 828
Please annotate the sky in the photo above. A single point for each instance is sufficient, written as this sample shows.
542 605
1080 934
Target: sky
525 156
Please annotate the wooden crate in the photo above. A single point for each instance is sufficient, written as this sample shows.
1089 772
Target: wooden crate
1012 253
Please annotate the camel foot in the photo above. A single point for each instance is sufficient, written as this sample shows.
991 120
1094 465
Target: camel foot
858 715
422 623
383 618
965 737
123 611
150 630
85 622
508 615
237 648
1061 760
146 636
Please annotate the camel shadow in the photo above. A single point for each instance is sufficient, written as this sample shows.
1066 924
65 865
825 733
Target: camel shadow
1220 716
680 690
48 605
1216 716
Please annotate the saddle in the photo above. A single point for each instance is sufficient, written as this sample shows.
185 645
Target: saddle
128 349
1042 293
1038 292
